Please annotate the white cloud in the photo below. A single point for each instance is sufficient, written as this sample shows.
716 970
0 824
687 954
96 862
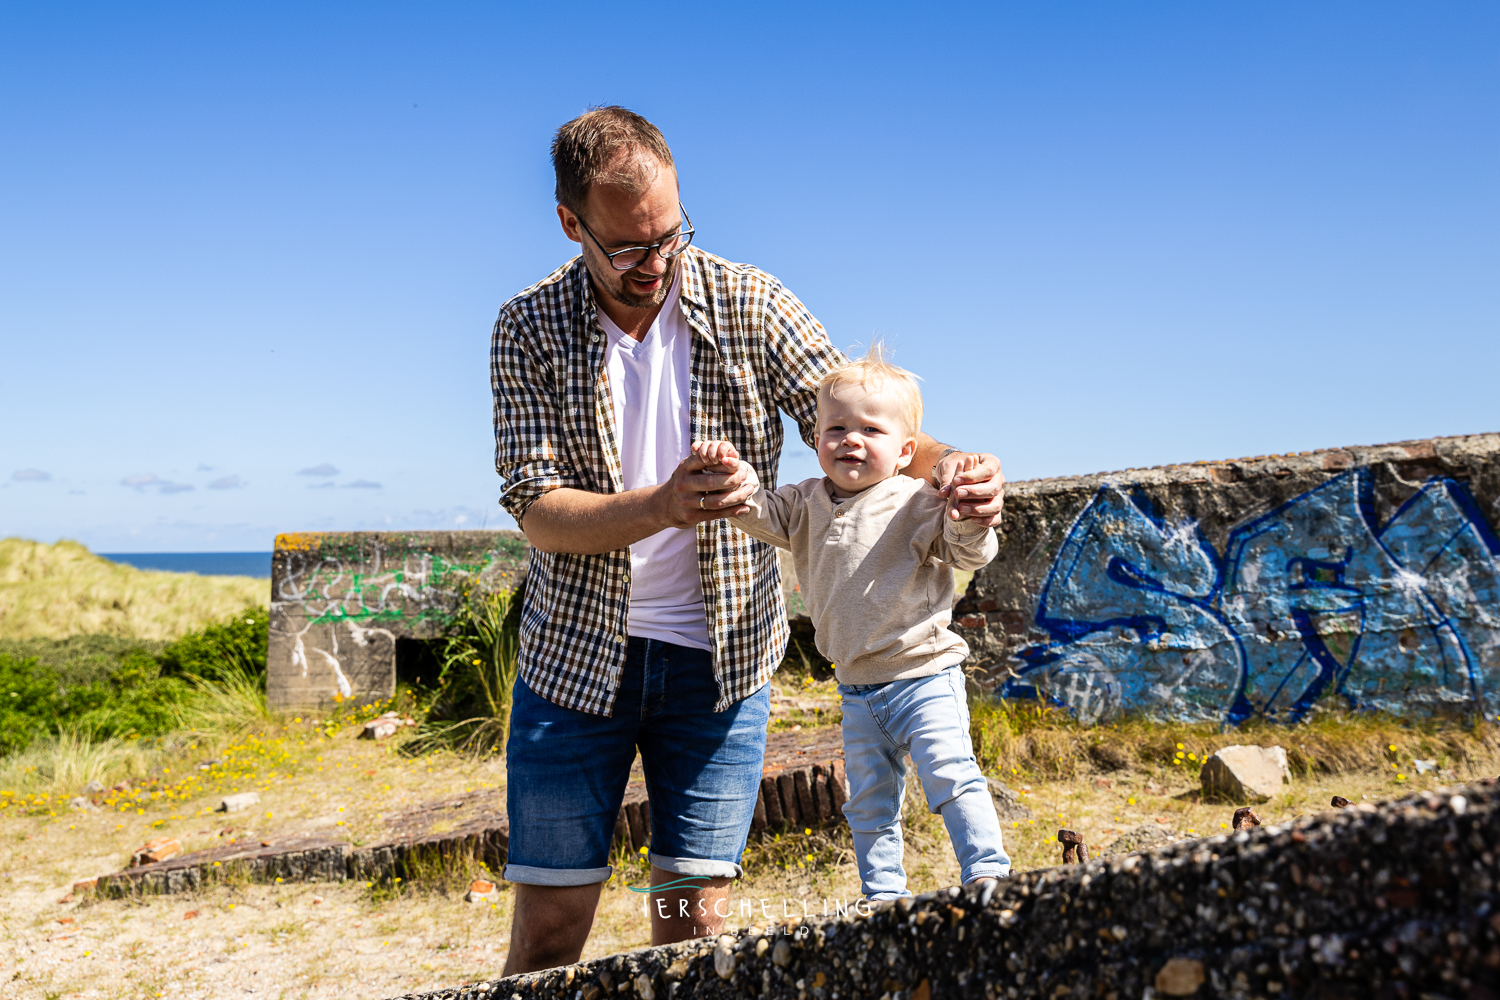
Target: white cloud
321 486
326 469
205 468
362 484
227 483
30 476
141 480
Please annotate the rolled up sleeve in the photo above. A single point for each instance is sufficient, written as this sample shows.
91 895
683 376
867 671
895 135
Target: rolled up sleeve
529 424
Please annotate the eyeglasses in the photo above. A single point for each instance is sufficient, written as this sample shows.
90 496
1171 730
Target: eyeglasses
624 260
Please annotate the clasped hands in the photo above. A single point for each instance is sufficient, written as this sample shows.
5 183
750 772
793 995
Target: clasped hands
713 482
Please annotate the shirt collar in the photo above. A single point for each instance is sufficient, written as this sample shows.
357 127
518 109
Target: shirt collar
694 284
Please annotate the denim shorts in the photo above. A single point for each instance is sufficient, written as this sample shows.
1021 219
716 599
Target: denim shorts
566 771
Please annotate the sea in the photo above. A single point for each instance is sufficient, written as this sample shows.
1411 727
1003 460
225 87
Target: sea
257 564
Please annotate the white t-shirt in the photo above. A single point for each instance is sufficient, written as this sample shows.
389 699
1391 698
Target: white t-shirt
648 384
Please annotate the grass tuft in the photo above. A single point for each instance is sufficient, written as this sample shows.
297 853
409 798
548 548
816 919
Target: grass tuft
1040 741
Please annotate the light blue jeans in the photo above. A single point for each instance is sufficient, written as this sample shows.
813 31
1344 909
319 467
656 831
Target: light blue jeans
927 717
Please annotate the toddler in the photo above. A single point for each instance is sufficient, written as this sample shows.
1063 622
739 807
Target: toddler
875 553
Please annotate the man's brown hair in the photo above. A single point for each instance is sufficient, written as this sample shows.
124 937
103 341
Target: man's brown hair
605 145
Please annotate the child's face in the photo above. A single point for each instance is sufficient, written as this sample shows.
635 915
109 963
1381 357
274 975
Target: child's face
862 437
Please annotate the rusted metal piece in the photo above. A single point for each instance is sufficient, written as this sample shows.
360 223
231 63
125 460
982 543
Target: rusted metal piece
1245 818
1075 851
1339 802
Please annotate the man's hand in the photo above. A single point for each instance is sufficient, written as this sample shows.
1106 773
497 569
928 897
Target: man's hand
974 486
710 483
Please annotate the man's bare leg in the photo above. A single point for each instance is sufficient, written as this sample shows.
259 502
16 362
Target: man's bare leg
550 925
680 914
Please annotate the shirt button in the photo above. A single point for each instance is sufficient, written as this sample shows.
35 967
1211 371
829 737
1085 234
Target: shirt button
838 513
619 638
596 337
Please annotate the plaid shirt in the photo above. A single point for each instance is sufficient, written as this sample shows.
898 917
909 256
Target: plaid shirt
755 349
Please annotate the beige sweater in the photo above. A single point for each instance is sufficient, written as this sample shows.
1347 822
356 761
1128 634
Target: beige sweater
876 572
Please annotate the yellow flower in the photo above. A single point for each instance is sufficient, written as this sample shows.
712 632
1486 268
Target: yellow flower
1181 747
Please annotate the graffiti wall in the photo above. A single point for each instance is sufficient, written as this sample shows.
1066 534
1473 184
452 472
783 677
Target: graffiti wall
1263 587
339 602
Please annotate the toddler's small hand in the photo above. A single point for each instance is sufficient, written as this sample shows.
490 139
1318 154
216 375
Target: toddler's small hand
717 456
966 463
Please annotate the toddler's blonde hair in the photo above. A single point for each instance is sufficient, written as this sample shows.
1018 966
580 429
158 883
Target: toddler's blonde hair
874 373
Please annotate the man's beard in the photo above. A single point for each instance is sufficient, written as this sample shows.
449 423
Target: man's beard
621 293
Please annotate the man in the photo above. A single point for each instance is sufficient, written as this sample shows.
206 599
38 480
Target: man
649 621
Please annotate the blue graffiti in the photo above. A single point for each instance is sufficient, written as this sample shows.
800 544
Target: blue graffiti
1309 599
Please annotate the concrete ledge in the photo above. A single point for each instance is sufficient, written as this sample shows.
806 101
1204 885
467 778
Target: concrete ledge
1394 901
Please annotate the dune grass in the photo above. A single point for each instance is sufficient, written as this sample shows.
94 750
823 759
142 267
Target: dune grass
62 590
1035 740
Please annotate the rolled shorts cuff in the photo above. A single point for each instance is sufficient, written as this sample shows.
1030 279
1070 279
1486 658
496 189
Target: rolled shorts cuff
990 870
526 875
696 866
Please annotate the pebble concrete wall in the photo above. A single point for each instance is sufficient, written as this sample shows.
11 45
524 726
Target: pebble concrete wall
1366 903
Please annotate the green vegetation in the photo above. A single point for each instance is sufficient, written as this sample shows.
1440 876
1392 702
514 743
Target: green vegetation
56 591
1039 741
467 705
96 688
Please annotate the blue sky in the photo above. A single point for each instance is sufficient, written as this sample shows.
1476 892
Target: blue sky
252 253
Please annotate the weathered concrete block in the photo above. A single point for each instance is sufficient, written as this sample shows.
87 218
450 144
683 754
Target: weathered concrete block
238 802
1222 591
339 602
1245 773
